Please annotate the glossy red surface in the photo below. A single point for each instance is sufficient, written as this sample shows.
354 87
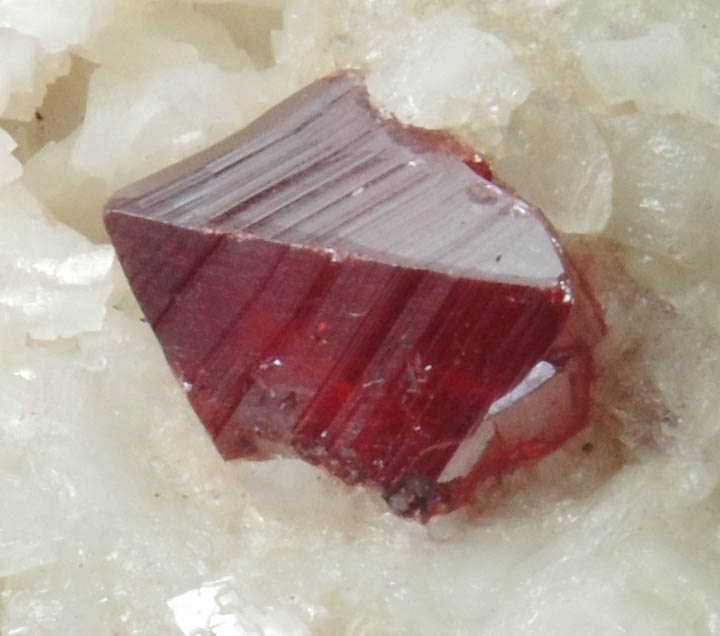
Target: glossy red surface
415 378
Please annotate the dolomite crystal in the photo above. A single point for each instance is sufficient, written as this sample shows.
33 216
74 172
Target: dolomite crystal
332 284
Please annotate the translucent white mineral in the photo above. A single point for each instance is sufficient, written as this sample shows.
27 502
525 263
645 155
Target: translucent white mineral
666 194
35 40
10 168
555 153
117 515
27 69
474 76
661 57
54 282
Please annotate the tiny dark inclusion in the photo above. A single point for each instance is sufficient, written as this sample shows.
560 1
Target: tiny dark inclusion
330 284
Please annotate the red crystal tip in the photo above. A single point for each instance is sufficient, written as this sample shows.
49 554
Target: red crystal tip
331 284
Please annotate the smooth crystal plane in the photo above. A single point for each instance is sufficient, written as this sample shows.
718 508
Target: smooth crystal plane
330 284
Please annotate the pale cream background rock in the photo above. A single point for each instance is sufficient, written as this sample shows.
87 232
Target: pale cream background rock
117 516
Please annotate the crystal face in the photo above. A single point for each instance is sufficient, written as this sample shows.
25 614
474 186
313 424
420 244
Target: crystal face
330 284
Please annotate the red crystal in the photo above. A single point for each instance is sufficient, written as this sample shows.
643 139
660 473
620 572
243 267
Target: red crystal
331 284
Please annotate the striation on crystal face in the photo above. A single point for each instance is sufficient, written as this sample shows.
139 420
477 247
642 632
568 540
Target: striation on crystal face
330 284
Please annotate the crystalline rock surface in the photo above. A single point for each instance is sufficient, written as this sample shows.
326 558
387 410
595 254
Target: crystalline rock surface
332 284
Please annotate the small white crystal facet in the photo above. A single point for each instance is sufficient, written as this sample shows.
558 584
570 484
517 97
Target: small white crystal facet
10 168
52 277
653 69
666 191
215 609
555 151
475 75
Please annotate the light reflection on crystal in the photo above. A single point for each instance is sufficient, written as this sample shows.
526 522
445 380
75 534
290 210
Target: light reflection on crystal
538 375
216 609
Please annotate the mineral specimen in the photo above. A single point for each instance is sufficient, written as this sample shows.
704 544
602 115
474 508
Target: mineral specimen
332 284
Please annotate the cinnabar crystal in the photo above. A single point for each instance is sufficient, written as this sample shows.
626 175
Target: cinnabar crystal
331 284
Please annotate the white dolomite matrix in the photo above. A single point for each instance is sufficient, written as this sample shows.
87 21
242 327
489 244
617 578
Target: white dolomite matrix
117 514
